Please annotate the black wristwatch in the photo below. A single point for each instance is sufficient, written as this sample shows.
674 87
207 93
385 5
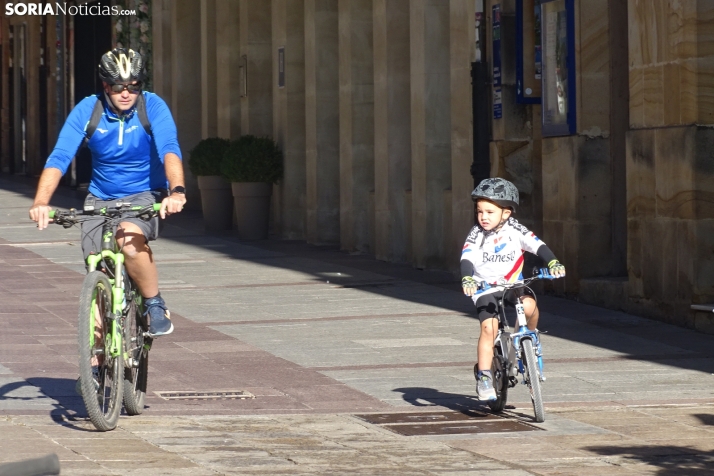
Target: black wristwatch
178 189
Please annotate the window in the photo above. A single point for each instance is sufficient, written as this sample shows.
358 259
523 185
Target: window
558 67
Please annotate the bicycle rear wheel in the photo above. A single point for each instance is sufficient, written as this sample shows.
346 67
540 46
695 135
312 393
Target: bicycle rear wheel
101 374
500 380
136 347
533 379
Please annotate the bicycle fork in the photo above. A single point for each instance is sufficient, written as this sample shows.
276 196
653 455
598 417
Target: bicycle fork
525 333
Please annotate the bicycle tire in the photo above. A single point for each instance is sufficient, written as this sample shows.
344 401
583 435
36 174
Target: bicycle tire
137 364
533 382
103 403
500 380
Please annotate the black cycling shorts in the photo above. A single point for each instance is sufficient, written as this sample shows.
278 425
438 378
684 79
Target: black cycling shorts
487 304
92 227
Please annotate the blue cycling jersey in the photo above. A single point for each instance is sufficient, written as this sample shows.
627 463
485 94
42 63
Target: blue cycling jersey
125 159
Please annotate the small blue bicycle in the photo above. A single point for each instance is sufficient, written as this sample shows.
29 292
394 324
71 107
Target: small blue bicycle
517 352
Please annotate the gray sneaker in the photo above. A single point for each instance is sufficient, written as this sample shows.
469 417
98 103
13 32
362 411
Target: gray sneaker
484 388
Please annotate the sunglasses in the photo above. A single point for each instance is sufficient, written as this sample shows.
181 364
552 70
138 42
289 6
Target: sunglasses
132 88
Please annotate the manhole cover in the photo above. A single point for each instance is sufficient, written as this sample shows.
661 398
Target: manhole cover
492 426
216 395
445 423
431 417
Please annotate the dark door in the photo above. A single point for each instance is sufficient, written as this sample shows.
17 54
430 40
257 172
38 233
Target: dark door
92 38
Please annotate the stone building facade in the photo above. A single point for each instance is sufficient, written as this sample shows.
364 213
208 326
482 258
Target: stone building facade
374 113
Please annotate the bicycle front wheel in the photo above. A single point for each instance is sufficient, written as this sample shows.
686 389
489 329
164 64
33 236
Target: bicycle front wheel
499 372
532 374
101 374
136 365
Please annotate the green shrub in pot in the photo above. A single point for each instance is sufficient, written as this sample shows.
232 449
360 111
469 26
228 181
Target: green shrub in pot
252 159
206 157
252 165
216 196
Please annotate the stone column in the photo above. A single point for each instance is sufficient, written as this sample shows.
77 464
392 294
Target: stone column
256 52
289 115
431 129
227 69
322 122
208 69
356 101
462 50
577 172
186 82
392 133
515 150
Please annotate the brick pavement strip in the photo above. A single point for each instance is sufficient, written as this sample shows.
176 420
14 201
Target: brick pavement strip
318 335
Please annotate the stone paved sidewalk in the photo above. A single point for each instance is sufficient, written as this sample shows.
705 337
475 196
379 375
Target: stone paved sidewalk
319 337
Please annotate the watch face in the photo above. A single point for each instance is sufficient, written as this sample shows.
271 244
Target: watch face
178 189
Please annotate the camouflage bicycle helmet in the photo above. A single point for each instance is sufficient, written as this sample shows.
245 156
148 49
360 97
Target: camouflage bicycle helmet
122 65
497 190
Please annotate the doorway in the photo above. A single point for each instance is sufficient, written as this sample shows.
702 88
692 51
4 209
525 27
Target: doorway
18 40
92 38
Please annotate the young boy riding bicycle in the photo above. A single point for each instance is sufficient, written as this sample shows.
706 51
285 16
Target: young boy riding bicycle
493 253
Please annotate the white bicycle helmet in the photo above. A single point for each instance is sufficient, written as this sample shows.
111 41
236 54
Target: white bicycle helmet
122 65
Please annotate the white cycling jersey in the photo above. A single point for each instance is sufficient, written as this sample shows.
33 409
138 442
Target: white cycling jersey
497 257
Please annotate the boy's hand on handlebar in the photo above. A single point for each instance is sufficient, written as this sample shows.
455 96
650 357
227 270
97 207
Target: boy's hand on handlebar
469 285
556 269
174 203
41 215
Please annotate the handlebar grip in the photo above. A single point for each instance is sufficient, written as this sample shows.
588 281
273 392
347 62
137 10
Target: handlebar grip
52 214
544 273
157 206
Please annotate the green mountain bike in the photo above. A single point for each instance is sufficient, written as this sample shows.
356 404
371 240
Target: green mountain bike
113 334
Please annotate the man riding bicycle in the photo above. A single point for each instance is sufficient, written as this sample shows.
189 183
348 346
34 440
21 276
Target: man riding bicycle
131 162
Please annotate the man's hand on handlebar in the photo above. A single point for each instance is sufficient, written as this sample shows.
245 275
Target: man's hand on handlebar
174 203
41 215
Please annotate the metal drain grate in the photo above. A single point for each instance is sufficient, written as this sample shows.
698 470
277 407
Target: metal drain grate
424 417
445 423
216 395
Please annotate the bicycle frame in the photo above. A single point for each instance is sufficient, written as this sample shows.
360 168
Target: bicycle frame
110 251
523 333
509 342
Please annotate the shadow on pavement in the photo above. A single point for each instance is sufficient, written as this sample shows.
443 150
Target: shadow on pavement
671 460
67 405
428 397
705 418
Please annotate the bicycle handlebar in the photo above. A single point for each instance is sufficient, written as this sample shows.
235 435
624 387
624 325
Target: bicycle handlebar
542 273
108 212
45 466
